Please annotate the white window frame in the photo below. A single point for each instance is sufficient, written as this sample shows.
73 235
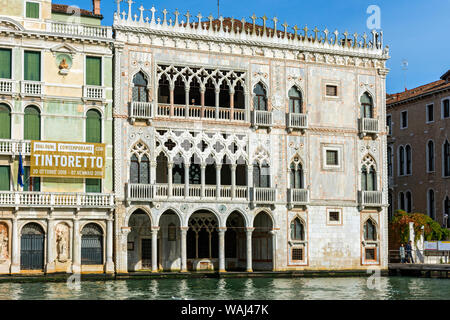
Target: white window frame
442 107
334 223
401 119
25 10
95 55
338 149
426 113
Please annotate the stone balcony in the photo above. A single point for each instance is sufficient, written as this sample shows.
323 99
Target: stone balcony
261 196
368 126
81 30
94 93
370 199
297 121
297 197
15 147
262 119
8 87
33 199
199 112
140 110
164 191
31 88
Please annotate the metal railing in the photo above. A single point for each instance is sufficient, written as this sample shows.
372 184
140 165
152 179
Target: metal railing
421 257
56 199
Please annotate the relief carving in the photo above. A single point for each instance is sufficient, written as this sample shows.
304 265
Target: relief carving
62 242
3 242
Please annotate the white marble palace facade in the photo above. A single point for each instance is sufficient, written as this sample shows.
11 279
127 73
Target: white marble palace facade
247 148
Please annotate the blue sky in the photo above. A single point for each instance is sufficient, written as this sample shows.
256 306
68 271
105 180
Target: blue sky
415 30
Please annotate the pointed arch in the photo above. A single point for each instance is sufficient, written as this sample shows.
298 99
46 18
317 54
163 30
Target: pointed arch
295 100
370 230
297 228
140 87
260 97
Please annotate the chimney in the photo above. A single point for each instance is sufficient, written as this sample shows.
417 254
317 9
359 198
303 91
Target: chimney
96 6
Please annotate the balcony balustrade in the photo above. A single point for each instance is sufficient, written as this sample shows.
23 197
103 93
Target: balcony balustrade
298 197
7 86
95 93
198 112
13 147
56 199
264 195
262 119
141 110
32 88
368 126
76 29
370 199
297 121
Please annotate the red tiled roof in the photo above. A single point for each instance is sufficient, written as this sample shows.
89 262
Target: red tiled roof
417 92
63 8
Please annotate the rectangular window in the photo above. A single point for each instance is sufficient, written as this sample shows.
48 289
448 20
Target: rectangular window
4 178
93 185
30 183
32 10
446 108
389 123
331 91
430 113
404 120
5 63
93 71
371 254
334 216
297 254
32 66
332 158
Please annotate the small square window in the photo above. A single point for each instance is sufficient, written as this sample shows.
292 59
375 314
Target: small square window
430 113
331 91
332 158
334 216
297 254
404 119
32 10
371 254
446 108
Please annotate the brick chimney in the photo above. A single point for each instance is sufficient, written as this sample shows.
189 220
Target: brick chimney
96 6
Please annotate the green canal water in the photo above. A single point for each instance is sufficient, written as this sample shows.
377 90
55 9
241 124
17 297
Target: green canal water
390 288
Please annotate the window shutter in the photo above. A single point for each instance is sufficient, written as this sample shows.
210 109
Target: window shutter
4 178
32 125
93 127
5 122
32 66
32 10
93 186
5 63
93 71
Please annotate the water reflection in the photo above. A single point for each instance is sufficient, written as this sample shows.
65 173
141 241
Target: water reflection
234 288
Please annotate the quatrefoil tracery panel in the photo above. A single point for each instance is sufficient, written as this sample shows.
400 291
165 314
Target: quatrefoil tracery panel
261 156
368 162
139 150
206 146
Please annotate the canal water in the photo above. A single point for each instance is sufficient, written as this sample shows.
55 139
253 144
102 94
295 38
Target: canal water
390 288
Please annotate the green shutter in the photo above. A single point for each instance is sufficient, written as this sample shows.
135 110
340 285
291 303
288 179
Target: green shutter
5 122
32 10
93 127
5 63
94 185
4 178
93 71
32 124
32 66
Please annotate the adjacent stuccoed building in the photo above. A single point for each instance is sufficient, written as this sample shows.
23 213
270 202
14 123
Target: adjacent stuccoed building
55 84
244 147
419 150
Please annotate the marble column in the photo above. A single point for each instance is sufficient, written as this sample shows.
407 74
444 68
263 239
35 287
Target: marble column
202 178
109 245
50 267
153 165
233 180
183 249
274 249
218 169
171 98
250 182
249 232
76 248
217 102
123 249
155 249
186 180
186 95
202 102
169 178
231 105
222 249
15 254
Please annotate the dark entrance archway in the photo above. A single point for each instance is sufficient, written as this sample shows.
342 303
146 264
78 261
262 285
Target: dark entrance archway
262 246
139 246
92 244
169 247
32 247
235 242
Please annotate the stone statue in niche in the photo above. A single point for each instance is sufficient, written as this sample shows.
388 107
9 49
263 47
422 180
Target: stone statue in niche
3 242
62 243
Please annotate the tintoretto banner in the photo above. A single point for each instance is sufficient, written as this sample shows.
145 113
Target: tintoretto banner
67 159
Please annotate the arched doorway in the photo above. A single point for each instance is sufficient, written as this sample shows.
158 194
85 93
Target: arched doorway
202 241
92 244
139 241
32 247
169 246
262 246
235 242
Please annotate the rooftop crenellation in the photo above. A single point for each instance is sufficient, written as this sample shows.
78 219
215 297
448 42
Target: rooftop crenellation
251 30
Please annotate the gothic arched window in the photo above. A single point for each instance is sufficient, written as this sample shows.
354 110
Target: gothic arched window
260 99
370 231
295 101
296 176
368 175
297 230
140 170
366 106
140 88
430 156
